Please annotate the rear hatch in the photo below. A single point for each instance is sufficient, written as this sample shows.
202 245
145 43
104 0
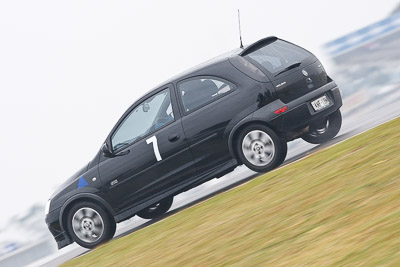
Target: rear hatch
300 82
293 70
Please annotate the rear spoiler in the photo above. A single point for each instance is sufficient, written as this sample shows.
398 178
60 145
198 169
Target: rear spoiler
257 45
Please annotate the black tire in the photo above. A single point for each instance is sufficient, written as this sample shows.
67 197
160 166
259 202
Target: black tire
260 148
113 228
283 152
157 209
324 130
89 224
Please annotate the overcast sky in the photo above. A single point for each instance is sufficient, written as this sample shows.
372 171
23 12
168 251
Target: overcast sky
69 69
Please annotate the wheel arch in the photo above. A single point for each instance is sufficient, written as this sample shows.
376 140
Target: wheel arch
79 198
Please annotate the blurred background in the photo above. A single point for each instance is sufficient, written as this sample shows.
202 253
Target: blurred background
69 70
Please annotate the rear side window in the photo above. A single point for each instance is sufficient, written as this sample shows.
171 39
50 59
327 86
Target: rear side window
196 93
278 55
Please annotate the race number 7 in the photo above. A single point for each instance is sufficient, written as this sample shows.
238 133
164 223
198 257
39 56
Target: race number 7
153 140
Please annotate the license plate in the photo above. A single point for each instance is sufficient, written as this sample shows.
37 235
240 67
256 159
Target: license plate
320 103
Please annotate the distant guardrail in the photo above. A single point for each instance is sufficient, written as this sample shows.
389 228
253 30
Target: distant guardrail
362 36
28 254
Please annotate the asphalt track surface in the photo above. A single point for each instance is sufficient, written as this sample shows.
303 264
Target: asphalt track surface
356 119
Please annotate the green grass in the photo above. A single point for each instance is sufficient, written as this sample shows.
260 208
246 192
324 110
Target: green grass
338 207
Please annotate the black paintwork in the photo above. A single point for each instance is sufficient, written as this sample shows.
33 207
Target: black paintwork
197 146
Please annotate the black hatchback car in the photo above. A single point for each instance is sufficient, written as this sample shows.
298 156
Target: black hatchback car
240 108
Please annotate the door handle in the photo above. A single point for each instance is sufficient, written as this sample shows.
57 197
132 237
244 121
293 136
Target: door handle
174 137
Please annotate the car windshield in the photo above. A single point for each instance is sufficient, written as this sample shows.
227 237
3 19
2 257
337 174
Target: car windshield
277 56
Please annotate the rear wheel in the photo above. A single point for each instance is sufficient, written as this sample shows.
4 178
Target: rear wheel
323 131
89 224
260 148
156 209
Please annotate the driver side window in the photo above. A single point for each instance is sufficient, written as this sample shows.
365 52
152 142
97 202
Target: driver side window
150 115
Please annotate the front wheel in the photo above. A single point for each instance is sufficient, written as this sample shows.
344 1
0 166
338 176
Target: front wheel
322 131
260 148
89 224
156 209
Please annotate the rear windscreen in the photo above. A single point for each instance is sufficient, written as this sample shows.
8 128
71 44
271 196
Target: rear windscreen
278 55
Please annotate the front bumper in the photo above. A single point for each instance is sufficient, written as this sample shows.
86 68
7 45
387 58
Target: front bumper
53 223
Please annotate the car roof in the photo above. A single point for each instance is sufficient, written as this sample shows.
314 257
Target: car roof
221 58
204 65
211 62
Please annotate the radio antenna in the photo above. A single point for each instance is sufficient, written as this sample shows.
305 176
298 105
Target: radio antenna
240 32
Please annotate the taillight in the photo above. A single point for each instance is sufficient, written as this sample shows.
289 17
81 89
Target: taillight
281 110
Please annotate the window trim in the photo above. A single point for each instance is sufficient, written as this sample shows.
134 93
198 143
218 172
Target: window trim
129 112
179 94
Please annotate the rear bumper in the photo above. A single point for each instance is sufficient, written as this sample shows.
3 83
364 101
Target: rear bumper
303 114
53 223
299 112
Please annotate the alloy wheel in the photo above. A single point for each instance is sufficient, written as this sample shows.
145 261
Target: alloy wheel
258 148
88 225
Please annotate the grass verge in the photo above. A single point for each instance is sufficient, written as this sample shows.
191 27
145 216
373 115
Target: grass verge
340 206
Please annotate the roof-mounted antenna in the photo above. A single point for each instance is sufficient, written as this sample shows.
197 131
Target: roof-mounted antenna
240 32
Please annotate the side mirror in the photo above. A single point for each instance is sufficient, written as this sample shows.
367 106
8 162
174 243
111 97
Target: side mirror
106 151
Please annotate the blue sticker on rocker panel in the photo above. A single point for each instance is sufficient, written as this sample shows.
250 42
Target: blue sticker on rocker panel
82 182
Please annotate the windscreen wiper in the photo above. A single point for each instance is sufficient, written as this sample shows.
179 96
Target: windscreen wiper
294 65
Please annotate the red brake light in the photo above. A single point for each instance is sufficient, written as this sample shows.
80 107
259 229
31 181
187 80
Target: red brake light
281 110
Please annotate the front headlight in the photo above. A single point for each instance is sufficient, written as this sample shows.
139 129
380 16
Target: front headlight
47 208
